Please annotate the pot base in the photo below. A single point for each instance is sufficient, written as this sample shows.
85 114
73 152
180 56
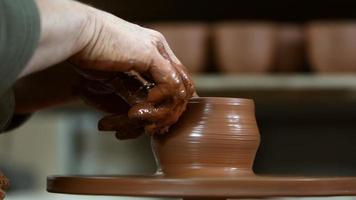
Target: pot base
203 188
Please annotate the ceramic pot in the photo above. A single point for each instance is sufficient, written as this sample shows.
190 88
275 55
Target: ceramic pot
245 47
332 46
189 42
290 48
215 137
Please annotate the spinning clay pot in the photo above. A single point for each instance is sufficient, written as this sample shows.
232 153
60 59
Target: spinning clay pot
215 137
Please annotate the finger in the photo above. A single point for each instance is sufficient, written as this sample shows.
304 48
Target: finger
162 126
160 93
167 80
167 53
160 118
152 116
118 122
148 112
170 54
107 101
164 99
131 87
165 49
187 81
125 128
181 69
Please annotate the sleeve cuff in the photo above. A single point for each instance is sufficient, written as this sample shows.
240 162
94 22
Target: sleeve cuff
19 35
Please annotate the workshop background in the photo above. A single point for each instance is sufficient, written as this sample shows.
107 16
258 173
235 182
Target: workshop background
296 59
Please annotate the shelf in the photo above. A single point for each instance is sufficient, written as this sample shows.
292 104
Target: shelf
275 82
276 89
268 88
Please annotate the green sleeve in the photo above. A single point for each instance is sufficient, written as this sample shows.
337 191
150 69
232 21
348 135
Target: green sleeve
19 35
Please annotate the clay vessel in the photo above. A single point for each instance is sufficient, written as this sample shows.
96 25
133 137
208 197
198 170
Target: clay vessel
245 47
290 48
189 42
332 46
215 137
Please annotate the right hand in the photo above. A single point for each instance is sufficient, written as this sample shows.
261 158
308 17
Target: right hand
93 39
115 45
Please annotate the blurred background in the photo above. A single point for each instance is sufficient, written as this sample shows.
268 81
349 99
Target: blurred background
296 59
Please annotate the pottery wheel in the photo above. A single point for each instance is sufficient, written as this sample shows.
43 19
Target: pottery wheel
215 137
222 188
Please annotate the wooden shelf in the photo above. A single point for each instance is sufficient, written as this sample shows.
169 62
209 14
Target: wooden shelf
274 89
280 87
275 82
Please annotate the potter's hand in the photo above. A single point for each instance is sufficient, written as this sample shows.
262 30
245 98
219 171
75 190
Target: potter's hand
93 39
117 45
101 94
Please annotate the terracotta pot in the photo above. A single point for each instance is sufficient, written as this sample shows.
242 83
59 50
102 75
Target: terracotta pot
290 52
245 47
189 42
332 46
215 137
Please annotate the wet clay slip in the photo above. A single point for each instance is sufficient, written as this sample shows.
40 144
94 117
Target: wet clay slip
132 100
208 154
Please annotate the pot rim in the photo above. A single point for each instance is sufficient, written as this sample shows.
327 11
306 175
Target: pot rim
222 100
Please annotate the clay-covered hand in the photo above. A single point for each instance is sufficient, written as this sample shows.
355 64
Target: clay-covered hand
93 39
119 46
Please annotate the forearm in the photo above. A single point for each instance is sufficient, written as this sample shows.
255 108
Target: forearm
63 24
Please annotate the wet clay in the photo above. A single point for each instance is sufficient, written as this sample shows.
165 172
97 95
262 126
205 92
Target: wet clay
4 184
155 96
215 137
125 95
207 154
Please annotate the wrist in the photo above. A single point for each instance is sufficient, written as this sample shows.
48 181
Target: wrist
63 21
87 25
64 32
